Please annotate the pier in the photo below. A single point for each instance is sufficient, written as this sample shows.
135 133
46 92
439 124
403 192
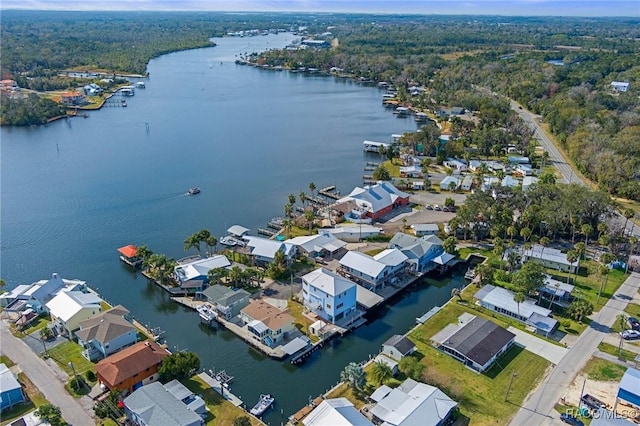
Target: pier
267 232
330 192
224 391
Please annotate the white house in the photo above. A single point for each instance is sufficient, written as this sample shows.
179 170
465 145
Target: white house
619 86
467 182
266 323
550 258
524 169
69 308
354 233
106 333
377 200
510 182
421 229
374 272
450 182
329 295
420 252
397 347
412 403
263 250
322 244
336 412
456 165
488 182
36 295
199 269
238 231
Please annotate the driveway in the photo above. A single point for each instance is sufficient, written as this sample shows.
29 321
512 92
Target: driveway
547 350
43 378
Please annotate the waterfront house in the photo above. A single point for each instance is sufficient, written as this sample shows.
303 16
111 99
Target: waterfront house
501 300
420 252
324 244
450 183
619 86
397 347
373 273
69 308
329 295
11 392
73 98
336 412
238 231
154 405
198 270
266 323
226 302
35 296
477 342
132 367
422 229
193 402
413 171
354 233
106 333
263 251
411 403
377 200
550 258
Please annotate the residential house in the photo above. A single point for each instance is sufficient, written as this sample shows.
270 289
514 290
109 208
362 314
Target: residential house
523 169
510 182
550 258
450 183
420 252
154 405
558 291
375 272
11 392
488 182
457 165
8 84
73 98
516 159
226 302
324 244
106 333
329 295
263 251
411 403
198 270
266 323
377 200
92 89
35 296
422 229
413 171
132 367
354 233
477 342
69 308
528 181
318 44
193 402
467 183
619 86
336 412
502 300
397 347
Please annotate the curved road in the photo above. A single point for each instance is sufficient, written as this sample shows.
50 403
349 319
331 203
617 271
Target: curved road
43 378
538 409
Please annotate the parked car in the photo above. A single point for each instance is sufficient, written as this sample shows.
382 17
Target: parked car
634 323
570 419
630 334
436 207
445 209
428 207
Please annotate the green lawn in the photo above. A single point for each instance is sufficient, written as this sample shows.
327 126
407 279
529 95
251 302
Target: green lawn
301 322
221 411
603 370
36 325
633 310
613 350
373 252
6 361
70 352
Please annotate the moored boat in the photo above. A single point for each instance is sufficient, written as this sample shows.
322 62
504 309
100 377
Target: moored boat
263 404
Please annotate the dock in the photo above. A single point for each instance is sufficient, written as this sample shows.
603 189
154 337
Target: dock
422 319
267 232
330 192
224 391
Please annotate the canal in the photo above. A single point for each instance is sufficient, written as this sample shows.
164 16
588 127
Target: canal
75 190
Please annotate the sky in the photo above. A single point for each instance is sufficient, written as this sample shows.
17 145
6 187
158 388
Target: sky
593 8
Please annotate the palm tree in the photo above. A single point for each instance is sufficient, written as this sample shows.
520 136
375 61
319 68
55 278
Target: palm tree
519 297
287 224
544 242
192 241
628 214
312 188
572 256
303 198
288 210
291 198
498 249
553 296
586 230
143 253
211 242
525 233
456 292
511 232
579 309
353 375
235 274
309 216
380 372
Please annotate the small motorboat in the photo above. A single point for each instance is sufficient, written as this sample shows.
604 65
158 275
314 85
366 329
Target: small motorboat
263 404
193 191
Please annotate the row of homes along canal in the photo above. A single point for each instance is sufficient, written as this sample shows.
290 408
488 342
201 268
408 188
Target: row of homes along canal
75 190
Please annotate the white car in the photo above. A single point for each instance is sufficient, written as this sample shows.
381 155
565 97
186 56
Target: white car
436 207
630 334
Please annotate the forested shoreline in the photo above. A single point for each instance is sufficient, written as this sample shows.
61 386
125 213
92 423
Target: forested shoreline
454 58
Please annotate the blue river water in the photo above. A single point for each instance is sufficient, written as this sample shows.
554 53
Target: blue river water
75 190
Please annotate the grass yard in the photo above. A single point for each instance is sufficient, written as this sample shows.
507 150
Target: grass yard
481 396
70 352
633 310
221 411
301 322
603 370
373 252
613 350
6 361
36 325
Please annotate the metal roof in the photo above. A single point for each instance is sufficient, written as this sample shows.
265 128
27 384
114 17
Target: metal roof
328 281
503 298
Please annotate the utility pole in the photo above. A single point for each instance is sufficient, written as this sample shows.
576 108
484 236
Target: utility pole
506 395
75 377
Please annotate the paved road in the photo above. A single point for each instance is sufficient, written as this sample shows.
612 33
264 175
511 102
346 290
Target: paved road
538 409
43 378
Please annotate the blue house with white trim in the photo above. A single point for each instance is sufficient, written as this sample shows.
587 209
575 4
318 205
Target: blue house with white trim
329 295
10 389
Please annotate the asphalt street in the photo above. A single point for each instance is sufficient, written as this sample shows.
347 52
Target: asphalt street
43 378
538 409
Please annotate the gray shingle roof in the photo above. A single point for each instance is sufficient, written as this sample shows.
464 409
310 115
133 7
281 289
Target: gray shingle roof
105 326
401 343
158 407
479 340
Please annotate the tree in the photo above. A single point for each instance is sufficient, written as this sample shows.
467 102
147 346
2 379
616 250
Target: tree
572 256
449 202
579 309
288 210
381 173
529 278
411 367
303 198
544 242
309 216
498 249
586 230
179 365
312 188
51 414
485 271
519 297
192 241
211 242
242 421
548 178
511 232
380 372
513 258
353 375
525 233
449 245
292 199
287 224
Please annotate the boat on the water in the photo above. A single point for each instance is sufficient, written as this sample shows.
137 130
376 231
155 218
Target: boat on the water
228 241
193 191
263 404
207 314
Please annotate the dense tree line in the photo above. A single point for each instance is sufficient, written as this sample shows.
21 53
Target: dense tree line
27 111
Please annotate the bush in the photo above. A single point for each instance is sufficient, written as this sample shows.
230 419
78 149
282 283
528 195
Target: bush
501 275
90 376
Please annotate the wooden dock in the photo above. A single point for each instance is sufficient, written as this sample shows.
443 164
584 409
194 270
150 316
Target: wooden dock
267 232
330 192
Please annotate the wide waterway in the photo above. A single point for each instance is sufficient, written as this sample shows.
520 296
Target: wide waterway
75 190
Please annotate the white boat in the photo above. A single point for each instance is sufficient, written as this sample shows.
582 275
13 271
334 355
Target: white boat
263 404
207 314
228 241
